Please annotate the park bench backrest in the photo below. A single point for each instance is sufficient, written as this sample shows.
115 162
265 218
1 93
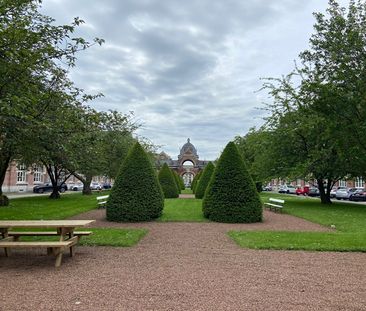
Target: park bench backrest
277 200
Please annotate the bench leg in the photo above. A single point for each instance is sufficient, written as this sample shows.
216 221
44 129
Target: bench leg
7 252
59 258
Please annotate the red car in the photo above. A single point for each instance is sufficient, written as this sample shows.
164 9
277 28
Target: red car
302 190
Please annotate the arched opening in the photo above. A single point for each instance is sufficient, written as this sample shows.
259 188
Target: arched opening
187 179
188 164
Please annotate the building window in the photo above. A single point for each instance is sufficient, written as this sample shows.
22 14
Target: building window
359 182
38 172
21 173
342 183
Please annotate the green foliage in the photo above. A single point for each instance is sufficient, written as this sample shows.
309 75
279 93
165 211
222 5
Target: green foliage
231 195
168 182
319 109
136 194
176 179
36 95
195 181
181 182
259 186
204 180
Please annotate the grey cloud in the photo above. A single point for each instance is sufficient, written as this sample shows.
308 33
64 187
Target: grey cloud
187 68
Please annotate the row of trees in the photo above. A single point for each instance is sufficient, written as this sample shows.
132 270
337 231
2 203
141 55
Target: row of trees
318 116
44 118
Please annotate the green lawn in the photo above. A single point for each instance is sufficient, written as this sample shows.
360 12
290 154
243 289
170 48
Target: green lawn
42 207
348 219
187 191
183 210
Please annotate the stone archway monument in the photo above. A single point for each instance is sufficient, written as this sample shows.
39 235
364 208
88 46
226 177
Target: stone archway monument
188 154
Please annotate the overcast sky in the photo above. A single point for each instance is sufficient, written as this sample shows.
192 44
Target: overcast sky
187 68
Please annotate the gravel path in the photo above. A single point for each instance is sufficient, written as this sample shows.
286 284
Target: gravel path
186 266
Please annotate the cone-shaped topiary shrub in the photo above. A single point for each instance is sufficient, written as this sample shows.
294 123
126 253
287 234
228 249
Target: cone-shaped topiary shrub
231 195
136 194
181 183
195 181
167 182
204 180
176 179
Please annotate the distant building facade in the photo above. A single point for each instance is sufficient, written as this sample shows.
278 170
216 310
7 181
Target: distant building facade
22 178
188 155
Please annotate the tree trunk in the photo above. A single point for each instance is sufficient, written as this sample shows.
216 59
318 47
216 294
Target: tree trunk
86 182
55 194
324 195
86 189
53 174
4 201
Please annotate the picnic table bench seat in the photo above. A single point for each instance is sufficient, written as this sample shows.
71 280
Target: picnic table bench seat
53 247
45 233
68 238
275 204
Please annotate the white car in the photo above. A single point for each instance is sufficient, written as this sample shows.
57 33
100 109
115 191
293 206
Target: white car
78 187
287 189
96 186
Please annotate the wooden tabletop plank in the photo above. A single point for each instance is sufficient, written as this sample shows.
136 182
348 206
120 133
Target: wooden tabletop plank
44 223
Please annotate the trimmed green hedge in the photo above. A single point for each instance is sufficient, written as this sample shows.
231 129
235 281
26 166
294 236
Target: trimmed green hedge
167 182
204 181
178 181
231 195
136 194
195 181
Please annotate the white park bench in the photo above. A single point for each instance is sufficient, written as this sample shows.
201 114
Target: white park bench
275 204
102 201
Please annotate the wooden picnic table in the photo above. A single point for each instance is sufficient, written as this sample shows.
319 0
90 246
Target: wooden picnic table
65 229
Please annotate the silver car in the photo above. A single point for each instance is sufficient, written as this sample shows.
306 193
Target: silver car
344 193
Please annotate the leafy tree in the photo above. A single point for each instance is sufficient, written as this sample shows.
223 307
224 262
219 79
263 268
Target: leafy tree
204 180
231 195
319 110
102 146
31 48
167 182
136 194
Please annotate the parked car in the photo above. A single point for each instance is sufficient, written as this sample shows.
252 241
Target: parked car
96 186
344 193
107 185
287 189
302 190
267 188
47 187
313 192
358 195
78 187
333 192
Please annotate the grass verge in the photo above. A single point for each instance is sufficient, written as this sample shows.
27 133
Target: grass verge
309 241
348 219
189 210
